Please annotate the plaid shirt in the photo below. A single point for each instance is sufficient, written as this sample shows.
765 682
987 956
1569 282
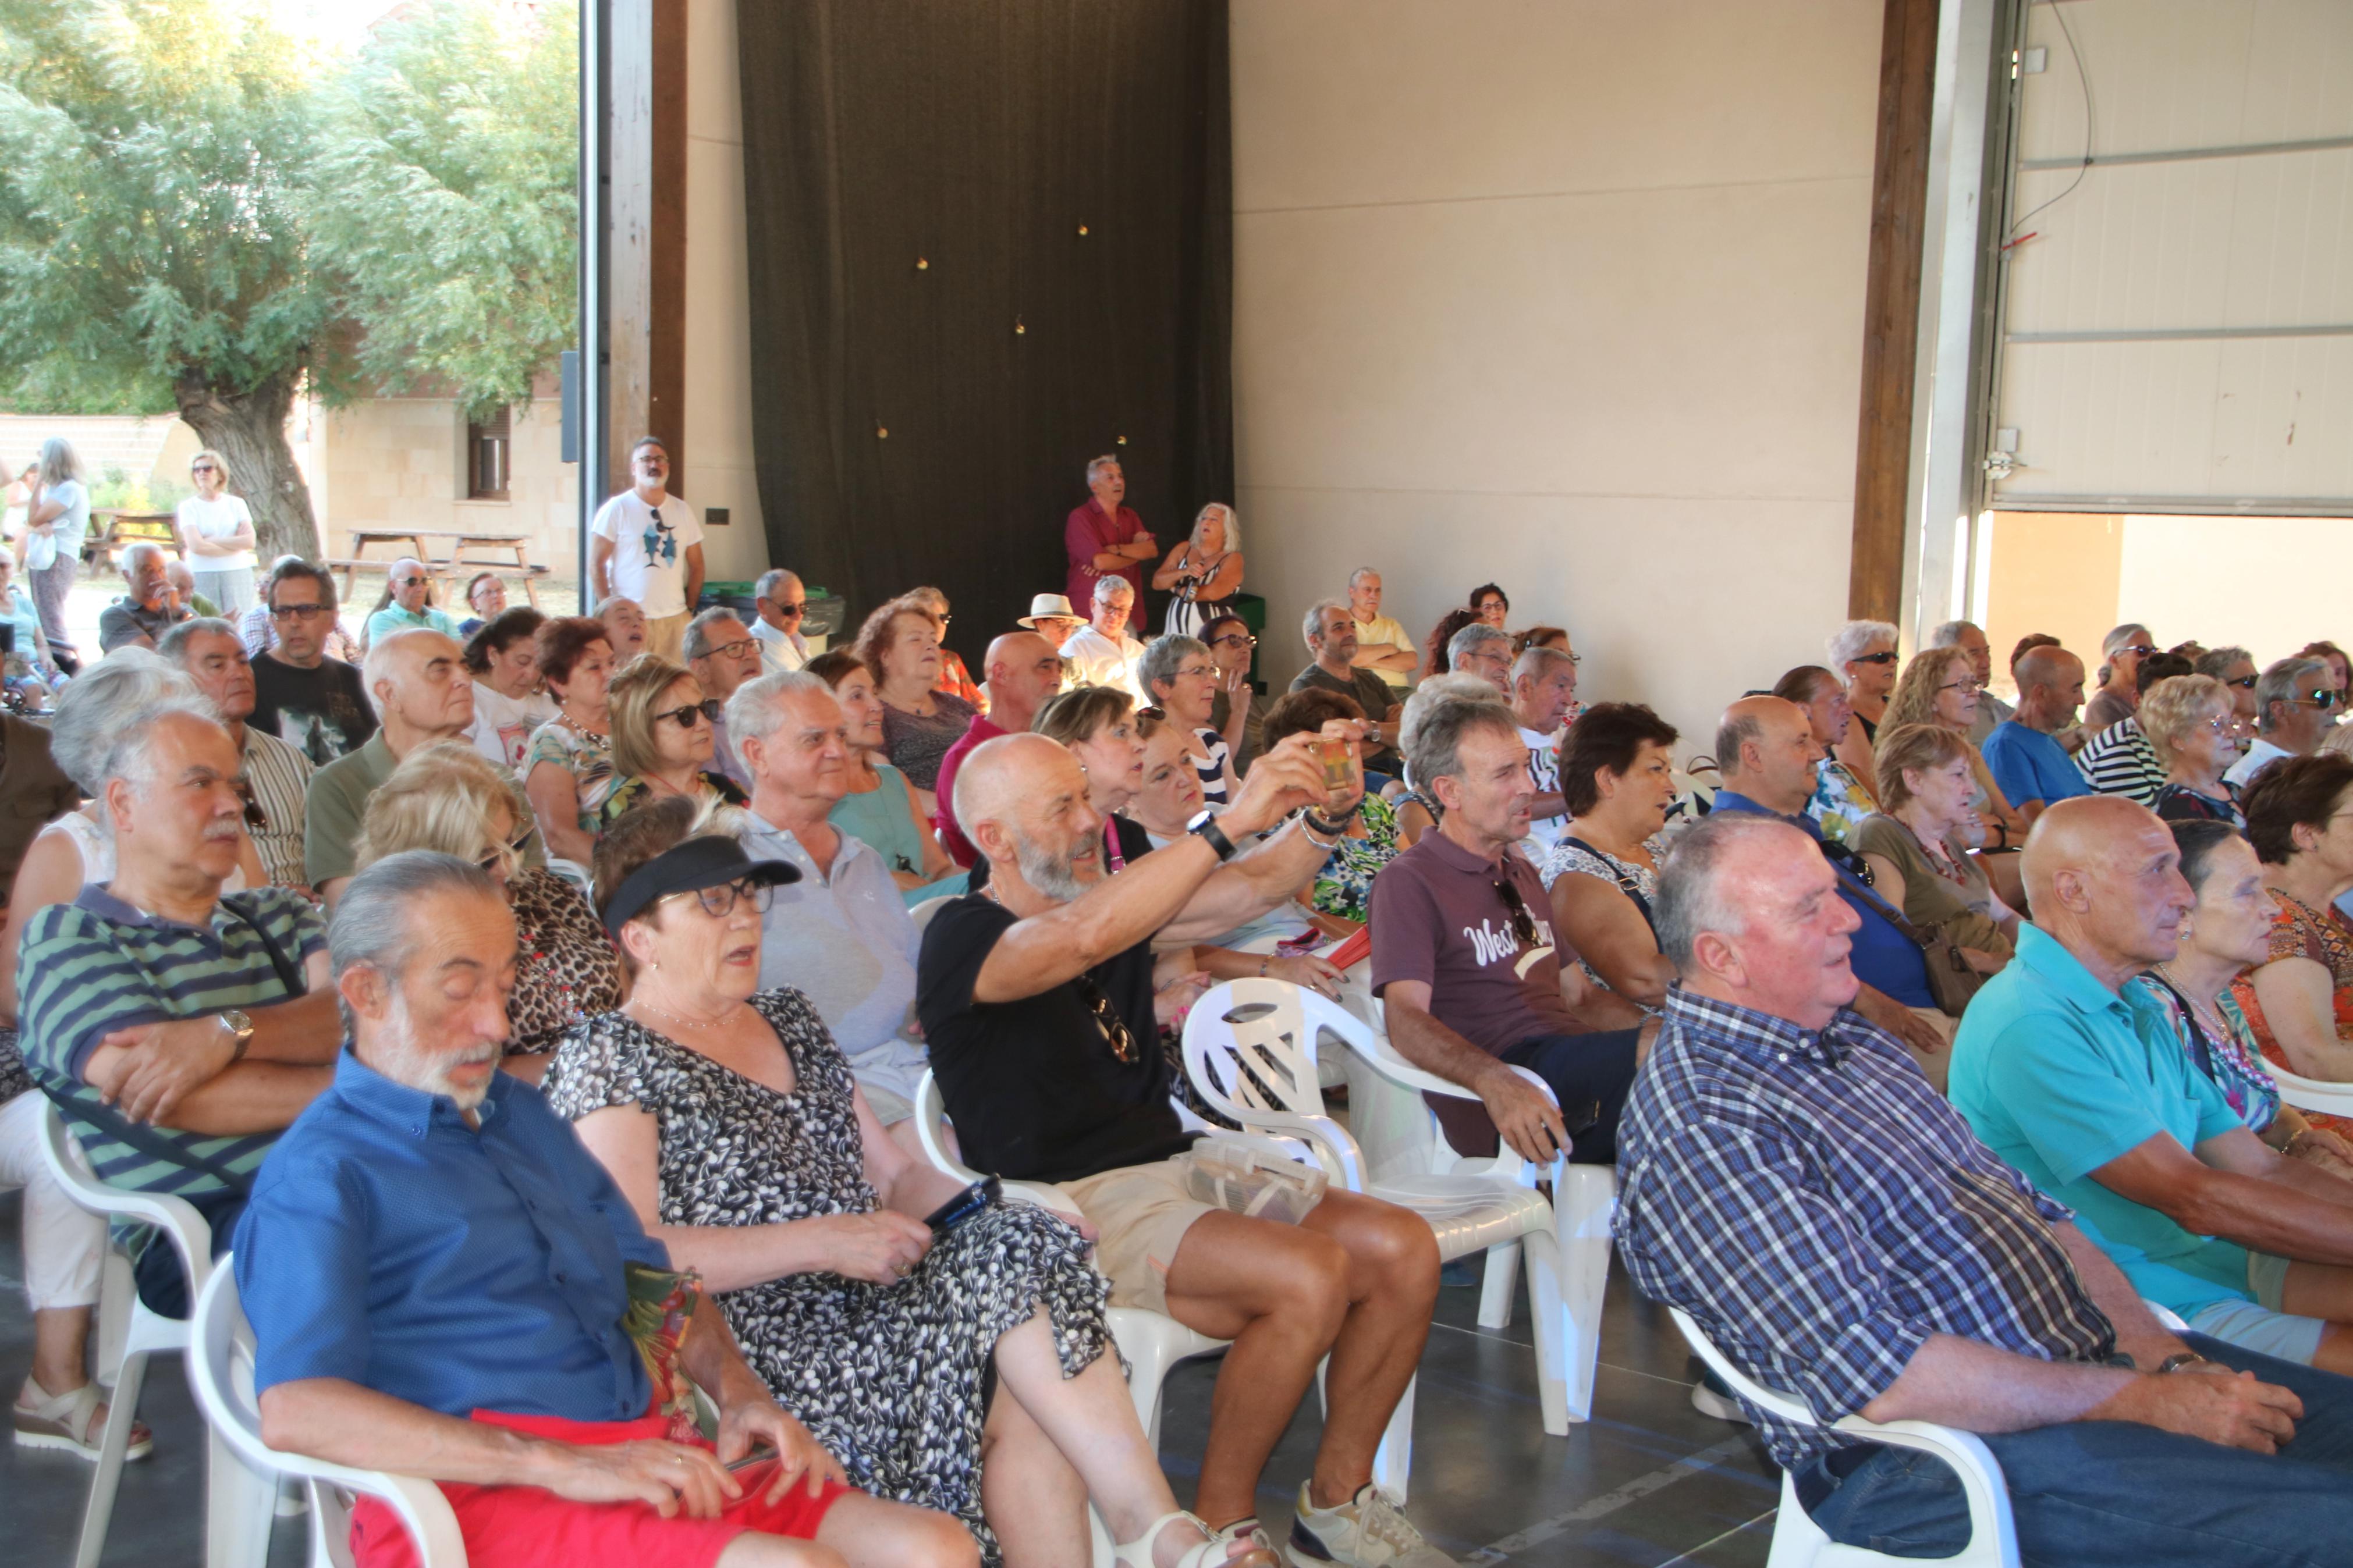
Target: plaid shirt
1821 1210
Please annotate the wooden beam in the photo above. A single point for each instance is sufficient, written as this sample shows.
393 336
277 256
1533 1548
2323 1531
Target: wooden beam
1891 333
666 319
628 246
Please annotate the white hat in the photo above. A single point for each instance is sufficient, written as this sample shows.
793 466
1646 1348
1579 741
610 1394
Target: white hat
1050 606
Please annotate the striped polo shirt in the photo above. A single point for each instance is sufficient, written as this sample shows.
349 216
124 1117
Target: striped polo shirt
98 964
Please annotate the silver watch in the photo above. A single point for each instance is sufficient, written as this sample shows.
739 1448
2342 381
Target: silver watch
239 1025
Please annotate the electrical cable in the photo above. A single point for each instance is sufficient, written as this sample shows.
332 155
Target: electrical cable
2059 11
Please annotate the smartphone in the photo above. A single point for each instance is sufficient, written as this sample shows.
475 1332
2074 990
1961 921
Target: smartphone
966 1205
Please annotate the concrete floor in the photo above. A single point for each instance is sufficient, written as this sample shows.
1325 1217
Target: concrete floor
1648 1481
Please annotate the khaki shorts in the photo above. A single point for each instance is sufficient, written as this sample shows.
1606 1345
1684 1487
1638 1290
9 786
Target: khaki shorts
666 635
1141 1213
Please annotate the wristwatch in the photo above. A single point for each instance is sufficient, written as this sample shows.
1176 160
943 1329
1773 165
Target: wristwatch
2180 1358
1205 828
240 1029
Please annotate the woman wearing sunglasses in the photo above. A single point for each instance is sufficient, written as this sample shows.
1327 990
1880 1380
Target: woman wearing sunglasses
664 739
1863 655
2121 652
450 798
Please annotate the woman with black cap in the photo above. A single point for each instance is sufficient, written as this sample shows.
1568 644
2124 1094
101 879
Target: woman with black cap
731 1122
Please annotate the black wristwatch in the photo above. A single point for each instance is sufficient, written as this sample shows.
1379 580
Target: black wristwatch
1205 828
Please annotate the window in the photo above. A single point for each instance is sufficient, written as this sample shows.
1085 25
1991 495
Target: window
486 458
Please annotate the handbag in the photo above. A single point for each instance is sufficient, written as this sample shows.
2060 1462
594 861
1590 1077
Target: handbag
1951 980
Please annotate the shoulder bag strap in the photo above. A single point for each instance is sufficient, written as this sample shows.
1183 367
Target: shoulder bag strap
1626 883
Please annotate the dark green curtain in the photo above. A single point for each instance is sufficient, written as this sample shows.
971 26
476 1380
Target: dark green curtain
1002 234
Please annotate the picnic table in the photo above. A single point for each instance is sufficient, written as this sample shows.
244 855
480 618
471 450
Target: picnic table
127 528
501 552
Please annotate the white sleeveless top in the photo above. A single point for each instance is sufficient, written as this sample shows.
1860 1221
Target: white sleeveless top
96 849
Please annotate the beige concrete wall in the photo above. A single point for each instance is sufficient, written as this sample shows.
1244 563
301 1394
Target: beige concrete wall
1564 293
2059 574
401 462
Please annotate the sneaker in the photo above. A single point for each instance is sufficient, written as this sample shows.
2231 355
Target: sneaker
1712 1396
1365 1532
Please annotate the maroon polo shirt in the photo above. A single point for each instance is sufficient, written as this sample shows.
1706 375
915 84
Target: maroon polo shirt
951 837
1086 534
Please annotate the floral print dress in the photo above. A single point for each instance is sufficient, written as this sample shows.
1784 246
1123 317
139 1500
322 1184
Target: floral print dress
2299 930
892 1379
1345 886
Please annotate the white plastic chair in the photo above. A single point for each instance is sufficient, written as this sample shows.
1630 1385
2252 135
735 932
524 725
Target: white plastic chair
238 1503
2311 1093
922 913
1390 1089
220 1368
1799 1542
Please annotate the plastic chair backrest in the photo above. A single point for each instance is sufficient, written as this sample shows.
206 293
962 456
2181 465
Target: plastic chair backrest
922 913
931 1123
2312 1093
175 1217
1249 1048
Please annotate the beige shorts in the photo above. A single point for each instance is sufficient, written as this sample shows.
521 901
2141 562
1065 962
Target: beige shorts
666 635
1141 1213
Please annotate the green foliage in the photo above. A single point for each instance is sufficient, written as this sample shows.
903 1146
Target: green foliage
114 491
442 194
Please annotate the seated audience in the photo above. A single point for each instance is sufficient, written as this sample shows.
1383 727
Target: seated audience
272 777
1917 845
2030 766
1038 1001
2295 704
1863 654
510 700
420 686
2119 759
1101 652
1833 1225
1970 639
626 627
2187 722
2227 929
662 739
901 644
1051 617
1471 972
1617 775
1764 750
181 578
1234 711
1489 605
1180 678
2299 1003
1383 646
781 606
450 799
409 606
722 655
1331 634
178 1028
1479 650
1437 655
317 704
839 935
148 610
1417 808
1939 688
1841 801
954 678
1544 701
2077 1078
512 1379
908 1353
877 805
1024 673
486 596
567 768
1344 888
1202 571
2121 652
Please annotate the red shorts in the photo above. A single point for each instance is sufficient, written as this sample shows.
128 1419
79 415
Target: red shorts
527 1527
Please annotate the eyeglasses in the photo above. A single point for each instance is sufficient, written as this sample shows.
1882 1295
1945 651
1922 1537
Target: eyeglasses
1967 683
255 818
735 650
706 711
296 612
1115 1032
1199 671
412 581
944 621
202 469
507 854
2244 682
2144 649
1887 658
1524 925
719 902
789 612
1234 639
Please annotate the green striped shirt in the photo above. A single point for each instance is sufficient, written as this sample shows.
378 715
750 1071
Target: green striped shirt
96 965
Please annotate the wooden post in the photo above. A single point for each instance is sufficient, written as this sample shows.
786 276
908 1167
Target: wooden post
645 250
1899 199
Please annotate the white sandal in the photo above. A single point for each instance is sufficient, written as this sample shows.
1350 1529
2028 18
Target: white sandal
70 1422
1211 1553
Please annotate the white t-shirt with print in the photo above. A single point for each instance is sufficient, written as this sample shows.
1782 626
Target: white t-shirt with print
503 725
650 556
1544 769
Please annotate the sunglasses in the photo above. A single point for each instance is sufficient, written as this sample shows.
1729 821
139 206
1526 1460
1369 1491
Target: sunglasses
719 902
789 612
296 612
2144 649
506 853
1524 925
1115 1032
2324 698
1887 658
203 469
705 711
2244 682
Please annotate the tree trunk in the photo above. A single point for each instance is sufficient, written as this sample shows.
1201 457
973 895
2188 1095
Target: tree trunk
248 430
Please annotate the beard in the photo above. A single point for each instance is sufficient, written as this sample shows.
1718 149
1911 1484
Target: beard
401 1059
1050 874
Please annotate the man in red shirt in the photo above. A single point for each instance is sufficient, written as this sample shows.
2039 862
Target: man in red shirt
1105 538
1023 672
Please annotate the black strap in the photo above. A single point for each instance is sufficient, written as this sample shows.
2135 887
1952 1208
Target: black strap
1626 883
288 974
2198 1043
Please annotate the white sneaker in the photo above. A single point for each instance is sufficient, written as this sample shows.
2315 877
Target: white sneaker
1365 1532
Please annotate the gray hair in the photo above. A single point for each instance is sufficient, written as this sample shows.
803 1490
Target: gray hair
2123 635
1162 656
1470 637
1095 465
699 642
2214 661
1690 899
1440 719
371 924
1535 662
755 712
1310 626
1948 634
1109 587
1732 734
174 644
107 702
1360 573
134 552
377 665
765 585
130 753
1847 643
59 461
287 566
605 606
1226 515
2277 684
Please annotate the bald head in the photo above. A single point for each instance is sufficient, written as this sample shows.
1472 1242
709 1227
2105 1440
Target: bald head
1765 748
1022 801
2050 687
2105 878
1023 671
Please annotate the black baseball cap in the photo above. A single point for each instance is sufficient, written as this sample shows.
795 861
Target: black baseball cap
705 860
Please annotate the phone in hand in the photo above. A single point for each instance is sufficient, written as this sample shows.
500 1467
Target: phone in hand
966 1205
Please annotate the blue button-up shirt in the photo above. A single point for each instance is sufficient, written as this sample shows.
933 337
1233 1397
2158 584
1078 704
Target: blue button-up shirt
390 1244
1884 959
1821 1210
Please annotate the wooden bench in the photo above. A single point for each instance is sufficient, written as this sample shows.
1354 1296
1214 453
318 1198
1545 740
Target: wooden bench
444 574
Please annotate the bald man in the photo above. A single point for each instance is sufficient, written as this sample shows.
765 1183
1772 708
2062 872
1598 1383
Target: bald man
2072 1069
2032 768
412 604
1037 999
1023 671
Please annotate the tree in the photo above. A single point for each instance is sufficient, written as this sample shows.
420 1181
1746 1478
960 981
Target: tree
150 255
443 195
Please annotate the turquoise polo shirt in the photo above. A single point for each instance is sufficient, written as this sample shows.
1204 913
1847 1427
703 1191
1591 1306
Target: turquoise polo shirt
2059 1074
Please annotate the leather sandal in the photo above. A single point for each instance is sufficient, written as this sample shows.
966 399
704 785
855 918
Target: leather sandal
1211 1553
71 1422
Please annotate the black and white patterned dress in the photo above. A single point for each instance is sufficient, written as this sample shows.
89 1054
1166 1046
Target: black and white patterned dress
890 1379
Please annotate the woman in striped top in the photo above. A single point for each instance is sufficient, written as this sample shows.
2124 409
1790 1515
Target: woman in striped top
1182 679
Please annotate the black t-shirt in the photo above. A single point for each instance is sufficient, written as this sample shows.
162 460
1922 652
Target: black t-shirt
1032 1085
323 714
